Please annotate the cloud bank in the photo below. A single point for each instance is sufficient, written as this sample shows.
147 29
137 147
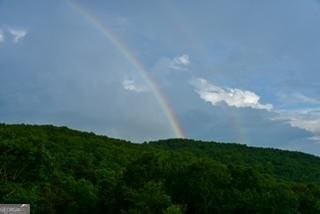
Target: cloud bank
308 120
231 96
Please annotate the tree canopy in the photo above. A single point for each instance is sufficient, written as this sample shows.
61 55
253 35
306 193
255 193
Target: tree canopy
59 170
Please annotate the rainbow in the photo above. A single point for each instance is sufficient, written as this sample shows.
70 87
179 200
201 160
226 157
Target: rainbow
239 127
128 54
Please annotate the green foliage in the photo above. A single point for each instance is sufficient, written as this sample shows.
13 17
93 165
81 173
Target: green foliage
58 170
174 209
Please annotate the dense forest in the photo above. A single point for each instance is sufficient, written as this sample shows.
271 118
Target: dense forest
59 170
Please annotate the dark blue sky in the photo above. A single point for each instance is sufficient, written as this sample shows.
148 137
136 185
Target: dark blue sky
235 71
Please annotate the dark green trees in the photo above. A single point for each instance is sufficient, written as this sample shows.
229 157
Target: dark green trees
58 170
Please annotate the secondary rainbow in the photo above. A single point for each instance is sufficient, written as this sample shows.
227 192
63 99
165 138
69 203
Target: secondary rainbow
127 53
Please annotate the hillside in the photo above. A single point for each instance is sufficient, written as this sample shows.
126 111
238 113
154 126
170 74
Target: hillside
58 170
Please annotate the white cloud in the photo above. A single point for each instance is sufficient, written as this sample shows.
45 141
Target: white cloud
231 96
180 62
1 36
17 34
131 85
183 60
307 119
304 118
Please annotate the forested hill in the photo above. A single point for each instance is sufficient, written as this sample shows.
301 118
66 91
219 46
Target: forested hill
292 166
58 170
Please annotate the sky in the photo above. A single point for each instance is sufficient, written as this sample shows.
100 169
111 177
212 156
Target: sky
219 70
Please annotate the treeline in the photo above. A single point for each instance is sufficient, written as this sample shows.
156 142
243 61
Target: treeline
58 170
